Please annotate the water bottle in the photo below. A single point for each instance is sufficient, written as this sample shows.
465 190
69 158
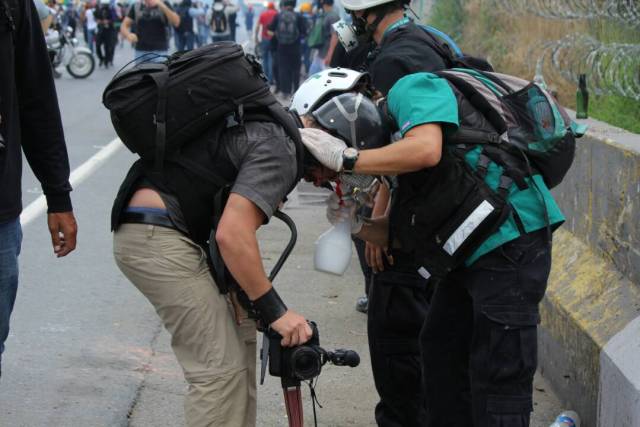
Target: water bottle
333 249
582 98
567 419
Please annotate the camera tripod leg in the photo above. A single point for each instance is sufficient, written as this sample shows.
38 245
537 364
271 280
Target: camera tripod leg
293 403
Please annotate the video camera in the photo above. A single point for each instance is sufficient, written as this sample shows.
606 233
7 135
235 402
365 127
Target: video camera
303 362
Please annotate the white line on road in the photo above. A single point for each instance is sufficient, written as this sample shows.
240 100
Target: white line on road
82 172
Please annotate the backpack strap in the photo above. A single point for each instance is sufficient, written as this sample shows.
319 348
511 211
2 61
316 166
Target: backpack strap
161 80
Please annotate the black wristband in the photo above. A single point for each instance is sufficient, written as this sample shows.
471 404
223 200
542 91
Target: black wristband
270 306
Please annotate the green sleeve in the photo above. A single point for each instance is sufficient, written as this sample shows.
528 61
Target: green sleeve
422 98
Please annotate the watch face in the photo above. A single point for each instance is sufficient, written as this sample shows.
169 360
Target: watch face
351 153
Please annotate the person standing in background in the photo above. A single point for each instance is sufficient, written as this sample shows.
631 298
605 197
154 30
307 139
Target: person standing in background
263 43
289 28
106 37
325 52
306 10
152 19
204 31
233 24
184 34
249 16
89 20
219 20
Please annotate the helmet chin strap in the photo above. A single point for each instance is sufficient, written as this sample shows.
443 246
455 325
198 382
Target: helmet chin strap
364 30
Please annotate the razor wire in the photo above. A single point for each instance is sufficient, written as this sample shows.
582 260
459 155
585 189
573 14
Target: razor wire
611 68
625 11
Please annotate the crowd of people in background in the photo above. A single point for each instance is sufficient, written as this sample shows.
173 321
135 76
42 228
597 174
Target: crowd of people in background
292 40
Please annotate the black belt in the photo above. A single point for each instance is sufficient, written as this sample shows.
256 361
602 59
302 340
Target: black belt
147 218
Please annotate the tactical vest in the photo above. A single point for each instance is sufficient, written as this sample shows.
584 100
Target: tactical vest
443 214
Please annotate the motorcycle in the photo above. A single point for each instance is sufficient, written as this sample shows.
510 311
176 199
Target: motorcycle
64 50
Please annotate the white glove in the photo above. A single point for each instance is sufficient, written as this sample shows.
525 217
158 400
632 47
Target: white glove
346 211
326 148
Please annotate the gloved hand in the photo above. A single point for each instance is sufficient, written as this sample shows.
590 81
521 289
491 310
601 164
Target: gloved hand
346 212
326 148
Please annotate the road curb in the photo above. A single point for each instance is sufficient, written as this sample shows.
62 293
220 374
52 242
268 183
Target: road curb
590 335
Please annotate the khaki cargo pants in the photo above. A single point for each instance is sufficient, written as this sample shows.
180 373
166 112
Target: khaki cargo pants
218 357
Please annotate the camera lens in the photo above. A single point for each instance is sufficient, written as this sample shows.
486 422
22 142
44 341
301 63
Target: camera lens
305 363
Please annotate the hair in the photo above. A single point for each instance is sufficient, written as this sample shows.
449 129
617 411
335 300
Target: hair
309 160
327 2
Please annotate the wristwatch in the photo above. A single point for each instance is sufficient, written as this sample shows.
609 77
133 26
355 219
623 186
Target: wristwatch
349 159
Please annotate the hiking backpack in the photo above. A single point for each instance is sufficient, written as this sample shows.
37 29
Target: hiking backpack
157 108
287 32
219 22
523 120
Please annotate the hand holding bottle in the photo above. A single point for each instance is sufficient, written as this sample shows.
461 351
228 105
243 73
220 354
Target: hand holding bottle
340 210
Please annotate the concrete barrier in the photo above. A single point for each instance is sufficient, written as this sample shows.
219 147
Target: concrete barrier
590 334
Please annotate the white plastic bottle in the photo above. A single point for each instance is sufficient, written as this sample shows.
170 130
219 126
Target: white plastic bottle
333 249
567 419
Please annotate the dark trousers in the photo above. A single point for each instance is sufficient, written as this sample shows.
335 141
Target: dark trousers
10 243
184 41
289 61
105 45
360 245
480 338
398 304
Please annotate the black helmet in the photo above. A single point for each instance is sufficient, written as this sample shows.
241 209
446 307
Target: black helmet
355 119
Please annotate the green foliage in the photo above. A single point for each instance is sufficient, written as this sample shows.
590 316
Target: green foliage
616 110
448 16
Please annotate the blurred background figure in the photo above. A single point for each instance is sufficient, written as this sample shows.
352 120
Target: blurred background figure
220 20
70 18
106 17
202 25
184 33
325 50
152 20
289 28
249 16
306 10
263 40
90 25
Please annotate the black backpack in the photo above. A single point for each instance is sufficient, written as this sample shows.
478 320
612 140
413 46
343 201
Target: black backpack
219 22
287 32
157 108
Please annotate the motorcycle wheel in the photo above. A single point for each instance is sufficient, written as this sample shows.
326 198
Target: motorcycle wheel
81 65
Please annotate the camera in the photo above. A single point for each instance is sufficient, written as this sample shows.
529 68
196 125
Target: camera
302 362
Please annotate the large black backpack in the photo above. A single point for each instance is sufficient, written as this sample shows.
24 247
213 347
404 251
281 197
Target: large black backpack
287 32
158 107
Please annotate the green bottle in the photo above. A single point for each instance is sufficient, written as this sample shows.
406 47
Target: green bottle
582 98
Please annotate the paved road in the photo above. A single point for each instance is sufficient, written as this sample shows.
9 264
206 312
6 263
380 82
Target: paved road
87 350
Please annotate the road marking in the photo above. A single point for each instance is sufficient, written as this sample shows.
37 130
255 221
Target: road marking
82 172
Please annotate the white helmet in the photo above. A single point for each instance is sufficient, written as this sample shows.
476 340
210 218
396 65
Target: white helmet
316 88
363 4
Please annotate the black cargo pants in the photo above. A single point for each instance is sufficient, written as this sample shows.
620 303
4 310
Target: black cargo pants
480 337
398 304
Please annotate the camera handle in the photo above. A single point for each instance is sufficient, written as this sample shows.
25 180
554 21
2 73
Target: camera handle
289 248
290 387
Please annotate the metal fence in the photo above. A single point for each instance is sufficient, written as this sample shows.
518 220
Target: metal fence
613 68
